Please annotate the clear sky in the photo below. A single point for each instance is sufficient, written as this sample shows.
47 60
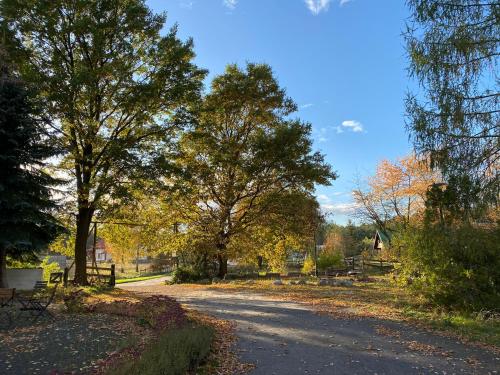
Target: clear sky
342 61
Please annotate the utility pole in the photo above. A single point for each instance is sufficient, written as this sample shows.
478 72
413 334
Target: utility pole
137 259
315 252
318 219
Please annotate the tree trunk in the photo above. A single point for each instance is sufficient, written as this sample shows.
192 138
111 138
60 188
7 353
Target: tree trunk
83 221
222 259
137 260
3 268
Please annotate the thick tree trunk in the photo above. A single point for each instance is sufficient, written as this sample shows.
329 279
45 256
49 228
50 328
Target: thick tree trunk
3 268
222 259
83 221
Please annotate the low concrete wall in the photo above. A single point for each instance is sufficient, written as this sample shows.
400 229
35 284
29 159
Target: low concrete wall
23 278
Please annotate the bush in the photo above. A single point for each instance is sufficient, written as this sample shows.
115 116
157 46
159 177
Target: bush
308 266
186 275
330 260
176 352
455 268
49 268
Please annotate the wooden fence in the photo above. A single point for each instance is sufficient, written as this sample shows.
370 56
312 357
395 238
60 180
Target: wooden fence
96 275
361 263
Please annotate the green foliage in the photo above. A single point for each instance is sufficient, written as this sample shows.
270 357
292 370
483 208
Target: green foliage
22 263
49 268
454 267
186 275
330 260
453 48
308 266
118 85
176 352
27 224
244 155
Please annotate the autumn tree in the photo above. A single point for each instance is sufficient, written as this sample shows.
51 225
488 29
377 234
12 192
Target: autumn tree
116 88
122 242
27 223
454 119
243 154
396 194
289 227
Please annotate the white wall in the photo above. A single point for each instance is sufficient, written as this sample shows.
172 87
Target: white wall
23 278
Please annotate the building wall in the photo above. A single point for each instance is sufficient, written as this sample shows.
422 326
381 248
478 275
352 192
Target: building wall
23 278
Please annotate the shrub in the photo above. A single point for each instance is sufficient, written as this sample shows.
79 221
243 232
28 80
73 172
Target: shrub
330 260
455 267
308 266
176 352
49 268
186 275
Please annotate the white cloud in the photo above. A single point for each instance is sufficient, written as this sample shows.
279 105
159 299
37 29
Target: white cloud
231 4
317 6
324 198
340 208
344 2
351 125
321 134
187 4
307 105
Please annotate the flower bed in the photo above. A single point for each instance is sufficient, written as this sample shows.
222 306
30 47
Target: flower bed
158 312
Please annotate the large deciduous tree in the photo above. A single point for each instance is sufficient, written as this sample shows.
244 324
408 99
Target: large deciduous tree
453 46
27 223
116 88
243 154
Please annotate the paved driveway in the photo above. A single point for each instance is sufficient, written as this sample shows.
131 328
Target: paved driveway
288 338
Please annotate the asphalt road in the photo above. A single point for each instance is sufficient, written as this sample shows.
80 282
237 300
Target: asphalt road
282 337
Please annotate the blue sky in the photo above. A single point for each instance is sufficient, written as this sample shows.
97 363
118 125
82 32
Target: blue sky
342 61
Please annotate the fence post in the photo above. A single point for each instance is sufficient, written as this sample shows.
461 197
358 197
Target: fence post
65 276
112 279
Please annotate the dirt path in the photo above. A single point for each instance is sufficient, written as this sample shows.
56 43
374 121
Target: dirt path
288 338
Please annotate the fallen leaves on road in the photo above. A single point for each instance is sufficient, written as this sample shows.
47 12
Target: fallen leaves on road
413 345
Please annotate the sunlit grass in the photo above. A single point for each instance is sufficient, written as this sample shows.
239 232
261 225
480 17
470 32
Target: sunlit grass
138 278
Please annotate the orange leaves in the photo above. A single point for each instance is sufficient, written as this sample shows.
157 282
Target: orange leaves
397 190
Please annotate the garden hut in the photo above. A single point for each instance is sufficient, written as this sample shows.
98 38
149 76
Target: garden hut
381 241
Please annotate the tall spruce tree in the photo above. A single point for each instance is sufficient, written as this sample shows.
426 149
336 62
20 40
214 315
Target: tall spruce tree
26 205
454 50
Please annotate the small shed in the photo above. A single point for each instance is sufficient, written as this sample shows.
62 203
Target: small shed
381 241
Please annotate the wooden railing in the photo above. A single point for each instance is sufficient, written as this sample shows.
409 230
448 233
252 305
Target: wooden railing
94 276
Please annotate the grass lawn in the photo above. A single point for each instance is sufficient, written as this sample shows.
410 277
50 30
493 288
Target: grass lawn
381 299
138 278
